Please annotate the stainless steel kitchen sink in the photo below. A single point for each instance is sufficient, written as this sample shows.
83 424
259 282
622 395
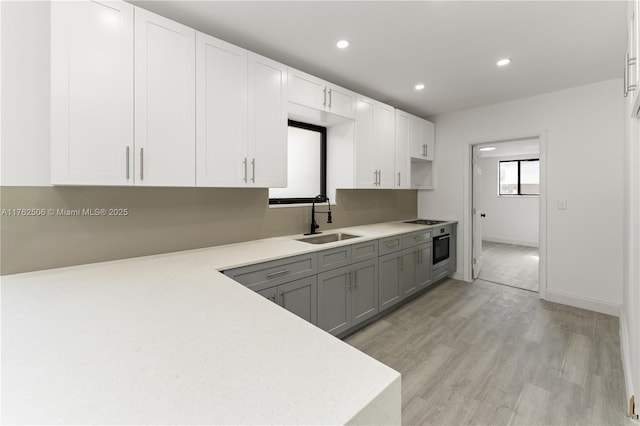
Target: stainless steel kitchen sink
328 238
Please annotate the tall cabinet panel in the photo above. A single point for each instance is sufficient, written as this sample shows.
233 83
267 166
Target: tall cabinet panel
366 170
402 157
267 132
92 93
221 106
375 144
165 101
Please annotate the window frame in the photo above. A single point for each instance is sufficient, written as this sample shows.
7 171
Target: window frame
519 194
323 167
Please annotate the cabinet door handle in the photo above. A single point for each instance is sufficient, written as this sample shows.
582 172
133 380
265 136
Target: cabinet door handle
349 280
330 98
244 164
273 297
401 263
426 150
398 178
253 170
355 279
127 166
629 87
324 102
282 297
275 274
141 163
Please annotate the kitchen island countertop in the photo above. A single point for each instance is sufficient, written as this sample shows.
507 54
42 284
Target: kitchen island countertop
169 339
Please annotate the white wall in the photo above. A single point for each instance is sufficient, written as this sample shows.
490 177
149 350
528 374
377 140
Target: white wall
25 93
584 152
509 219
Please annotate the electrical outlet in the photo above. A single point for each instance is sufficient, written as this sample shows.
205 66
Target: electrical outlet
562 204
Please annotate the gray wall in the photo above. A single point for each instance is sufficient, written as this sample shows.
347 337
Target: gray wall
162 220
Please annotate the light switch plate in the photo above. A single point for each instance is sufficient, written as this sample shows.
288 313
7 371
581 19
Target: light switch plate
562 204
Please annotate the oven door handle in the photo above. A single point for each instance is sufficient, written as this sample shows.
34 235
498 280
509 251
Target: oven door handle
446 237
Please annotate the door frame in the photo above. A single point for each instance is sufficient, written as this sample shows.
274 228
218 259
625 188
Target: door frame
467 232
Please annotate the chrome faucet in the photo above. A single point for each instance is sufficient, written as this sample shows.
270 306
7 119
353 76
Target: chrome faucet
314 224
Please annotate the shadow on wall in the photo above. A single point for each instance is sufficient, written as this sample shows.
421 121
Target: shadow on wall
144 221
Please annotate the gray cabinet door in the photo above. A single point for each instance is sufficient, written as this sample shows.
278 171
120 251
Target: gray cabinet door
300 298
408 284
423 265
389 280
334 300
364 290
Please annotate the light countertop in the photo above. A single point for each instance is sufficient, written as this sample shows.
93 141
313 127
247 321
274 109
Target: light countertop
167 339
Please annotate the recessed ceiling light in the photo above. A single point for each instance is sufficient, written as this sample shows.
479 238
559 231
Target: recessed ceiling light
503 62
342 44
419 86
488 148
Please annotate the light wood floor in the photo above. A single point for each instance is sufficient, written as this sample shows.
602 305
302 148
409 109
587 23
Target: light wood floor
510 264
487 354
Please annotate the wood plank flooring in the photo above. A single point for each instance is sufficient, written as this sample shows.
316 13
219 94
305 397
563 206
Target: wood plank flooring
487 354
510 264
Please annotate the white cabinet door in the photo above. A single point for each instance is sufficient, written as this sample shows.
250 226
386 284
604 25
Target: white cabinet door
366 170
307 90
385 145
428 139
341 101
91 93
221 108
267 149
312 92
416 145
402 158
164 101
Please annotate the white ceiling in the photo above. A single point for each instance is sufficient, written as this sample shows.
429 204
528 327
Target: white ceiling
450 46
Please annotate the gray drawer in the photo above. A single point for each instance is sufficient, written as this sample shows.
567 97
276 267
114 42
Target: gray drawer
440 273
364 251
389 244
334 258
267 274
416 238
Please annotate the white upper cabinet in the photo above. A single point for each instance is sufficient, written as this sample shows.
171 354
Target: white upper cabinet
266 162
312 92
92 93
375 144
221 108
421 138
403 159
164 101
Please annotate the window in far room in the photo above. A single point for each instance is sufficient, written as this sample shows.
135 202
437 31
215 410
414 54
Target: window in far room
306 165
519 177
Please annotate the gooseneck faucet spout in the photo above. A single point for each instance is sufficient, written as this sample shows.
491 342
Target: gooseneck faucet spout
314 224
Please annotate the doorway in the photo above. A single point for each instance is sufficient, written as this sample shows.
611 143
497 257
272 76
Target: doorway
506 191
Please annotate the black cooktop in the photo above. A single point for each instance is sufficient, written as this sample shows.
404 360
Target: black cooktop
426 222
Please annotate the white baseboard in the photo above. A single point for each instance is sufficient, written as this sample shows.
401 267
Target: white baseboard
626 355
583 303
457 276
514 242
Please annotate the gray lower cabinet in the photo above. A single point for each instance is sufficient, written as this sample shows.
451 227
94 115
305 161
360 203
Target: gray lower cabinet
424 265
347 296
298 297
389 287
415 269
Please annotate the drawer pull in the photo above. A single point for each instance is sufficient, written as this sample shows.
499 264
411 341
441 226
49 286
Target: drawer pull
275 274
419 237
392 244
